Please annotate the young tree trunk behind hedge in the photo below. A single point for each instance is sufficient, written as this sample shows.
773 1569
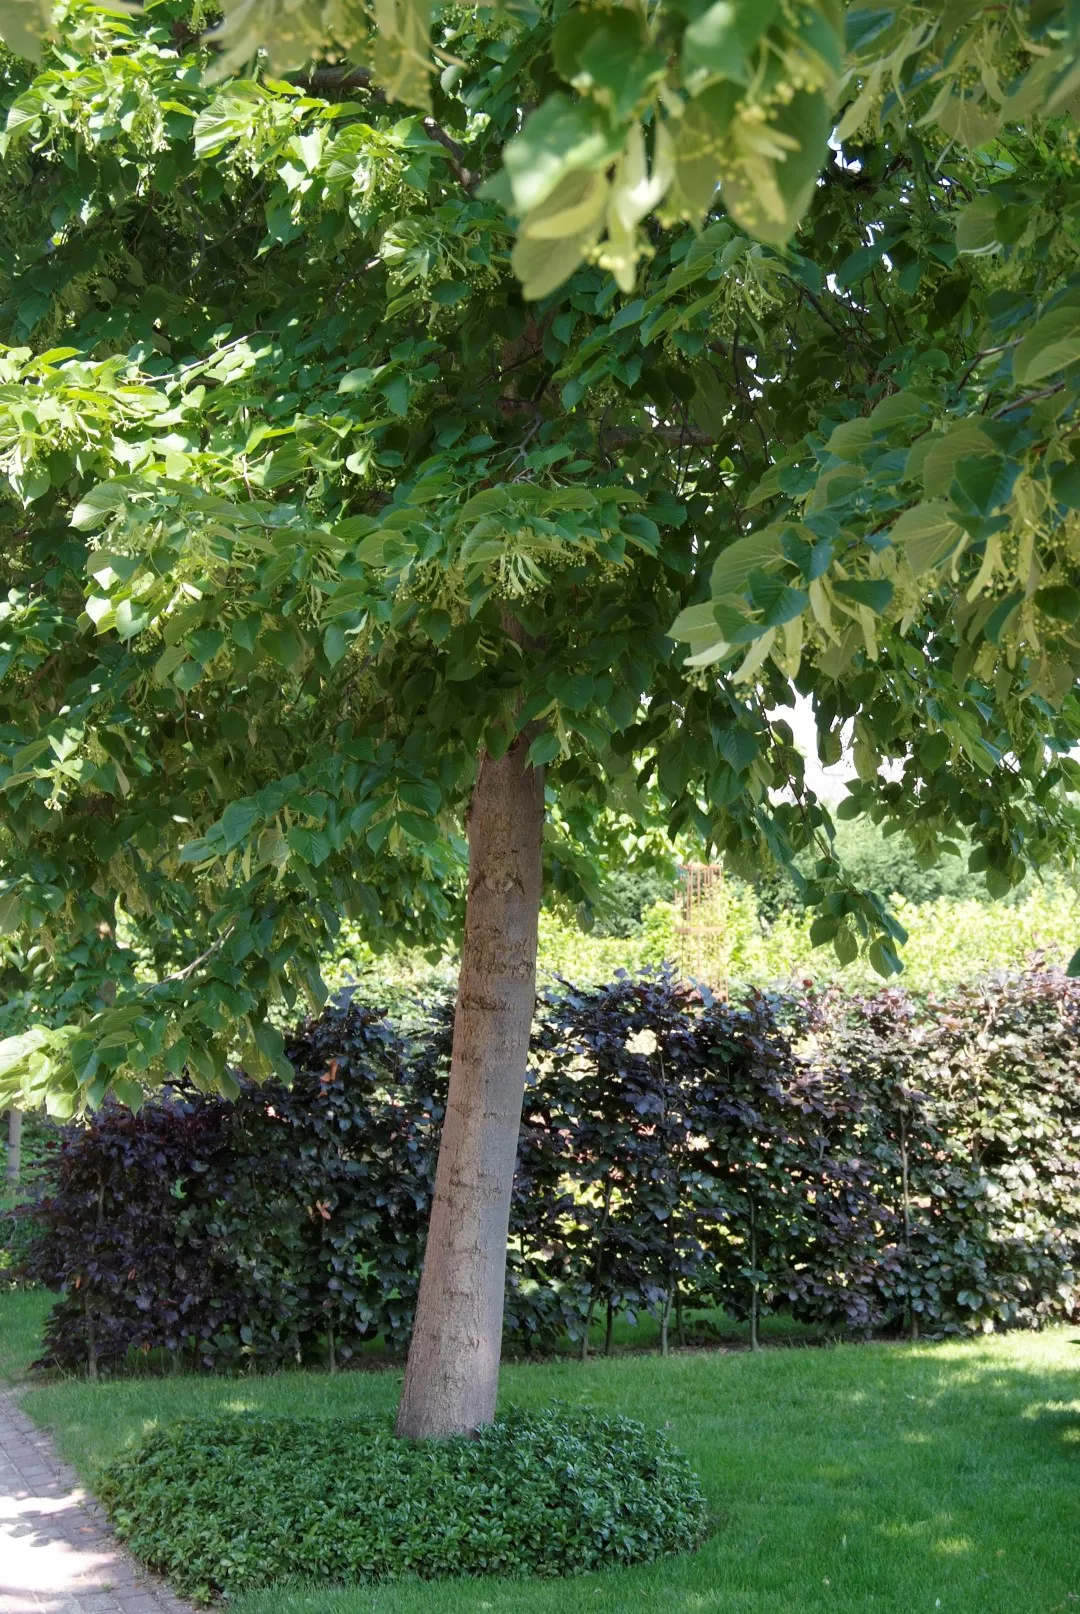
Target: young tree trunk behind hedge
453 1370
14 1148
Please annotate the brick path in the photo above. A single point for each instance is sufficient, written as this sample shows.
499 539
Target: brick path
57 1554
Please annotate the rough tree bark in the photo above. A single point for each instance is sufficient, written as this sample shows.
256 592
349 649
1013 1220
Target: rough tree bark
453 1369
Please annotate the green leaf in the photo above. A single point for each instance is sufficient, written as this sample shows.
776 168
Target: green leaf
555 235
436 624
876 592
1072 969
401 53
1065 482
310 845
999 618
849 439
699 627
271 1044
197 851
772 212
731 571
167 663
95 508
897 411
715 44
776 600
496 741
977 227
927 533
283 644
769 486
545 748
1059 600
335 644
965 439
884 959
237 822
700 146
396 392
738 747
560 138
605 52
1051 344
574 691
984 481
973 122
127 1092
187 675
228 118
23 26
422 794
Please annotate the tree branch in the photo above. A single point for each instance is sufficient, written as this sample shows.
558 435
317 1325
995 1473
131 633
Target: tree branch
1032 397
328 80
680 436
464 176
189 969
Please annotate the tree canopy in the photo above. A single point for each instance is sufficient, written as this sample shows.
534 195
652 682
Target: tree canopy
598 373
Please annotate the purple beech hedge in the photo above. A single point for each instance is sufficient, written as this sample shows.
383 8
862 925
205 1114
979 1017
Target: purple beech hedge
870 1164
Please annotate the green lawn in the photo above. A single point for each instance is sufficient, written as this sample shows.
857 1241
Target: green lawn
22 1314
888 1478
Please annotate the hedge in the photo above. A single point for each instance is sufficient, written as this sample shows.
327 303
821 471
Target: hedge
858 1163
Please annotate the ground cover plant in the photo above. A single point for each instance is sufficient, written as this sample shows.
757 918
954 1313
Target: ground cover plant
851 1164
225 1504
882 1477
381 465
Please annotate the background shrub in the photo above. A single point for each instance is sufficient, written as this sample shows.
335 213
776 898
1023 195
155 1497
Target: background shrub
858 1163
954 934
224 1504
40 1142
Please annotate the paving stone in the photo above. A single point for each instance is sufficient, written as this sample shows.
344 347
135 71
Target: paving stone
57 1555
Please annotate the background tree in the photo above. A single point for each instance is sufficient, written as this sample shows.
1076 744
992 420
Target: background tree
338 524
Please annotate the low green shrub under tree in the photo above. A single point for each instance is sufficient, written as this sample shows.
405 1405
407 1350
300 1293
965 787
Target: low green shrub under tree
225 1504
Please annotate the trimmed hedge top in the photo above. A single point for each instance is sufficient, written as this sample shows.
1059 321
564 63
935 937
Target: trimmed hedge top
223 1504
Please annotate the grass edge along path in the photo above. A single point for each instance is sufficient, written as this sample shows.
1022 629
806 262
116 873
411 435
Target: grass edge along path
889 1478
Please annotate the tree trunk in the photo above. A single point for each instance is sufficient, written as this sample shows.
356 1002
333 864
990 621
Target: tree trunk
14 1148
453 1370
912 1319
755 1342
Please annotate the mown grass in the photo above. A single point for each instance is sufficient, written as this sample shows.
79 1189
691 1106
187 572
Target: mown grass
22 1317
884 1478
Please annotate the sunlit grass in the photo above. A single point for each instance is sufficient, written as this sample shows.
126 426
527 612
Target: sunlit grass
22 1314
883 1478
